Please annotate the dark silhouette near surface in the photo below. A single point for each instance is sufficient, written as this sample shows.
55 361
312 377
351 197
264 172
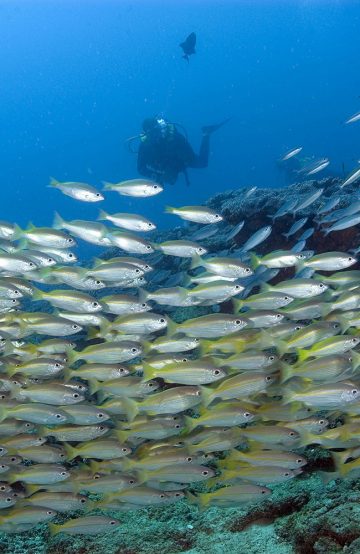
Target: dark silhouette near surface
188 46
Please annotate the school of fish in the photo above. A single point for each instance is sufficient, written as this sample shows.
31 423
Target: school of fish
109 405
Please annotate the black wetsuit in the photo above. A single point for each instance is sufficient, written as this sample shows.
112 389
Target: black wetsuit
164 158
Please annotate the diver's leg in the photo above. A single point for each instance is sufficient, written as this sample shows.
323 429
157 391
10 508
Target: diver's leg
203 158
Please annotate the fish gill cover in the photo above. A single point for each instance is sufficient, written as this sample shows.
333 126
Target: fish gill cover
185 387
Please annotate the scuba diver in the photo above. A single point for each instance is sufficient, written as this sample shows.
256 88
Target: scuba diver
164 151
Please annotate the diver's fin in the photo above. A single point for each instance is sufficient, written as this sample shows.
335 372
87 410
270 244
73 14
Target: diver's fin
209 129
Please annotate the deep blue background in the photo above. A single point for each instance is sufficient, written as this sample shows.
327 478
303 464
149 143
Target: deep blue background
77 78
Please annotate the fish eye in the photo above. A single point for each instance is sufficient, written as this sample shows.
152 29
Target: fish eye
271 358
189 459
247 414
62 456
354 392
134 350
58 416
350 259
57 365
321 285
143 305
70 255
279 316
238 322
75 327
100 415
63 473
27 425
124 449
354 341
31 264
8 500
216 216
50 260
291 434
177 494
162 320
217 372
161 495
112 522
97 476
268 378
149 224
101 428
247 270
297 328
286 297
155 187
16 292
2 488
82 500
98 283
137 270
205 473
287 474
299 461
151 384
75 395
148 247
177 426
97 194
13 459
147 267
13 301
95 304
321 421
197 393
263 491
131 481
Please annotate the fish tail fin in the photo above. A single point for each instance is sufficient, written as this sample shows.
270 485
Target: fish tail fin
281 346
143 295
355 358
196 261
3 413
237 304
205 347
169 210
190 423
68 374
286 373
345 323
94 386
71 452
102 215
254 260
107 185
18 232
302 354
72 356
131 408
171 328
142 475
122 435
53 182
38 294
58 221
54 529
207 396
149 372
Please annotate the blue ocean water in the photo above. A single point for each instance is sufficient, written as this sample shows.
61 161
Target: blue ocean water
78 78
